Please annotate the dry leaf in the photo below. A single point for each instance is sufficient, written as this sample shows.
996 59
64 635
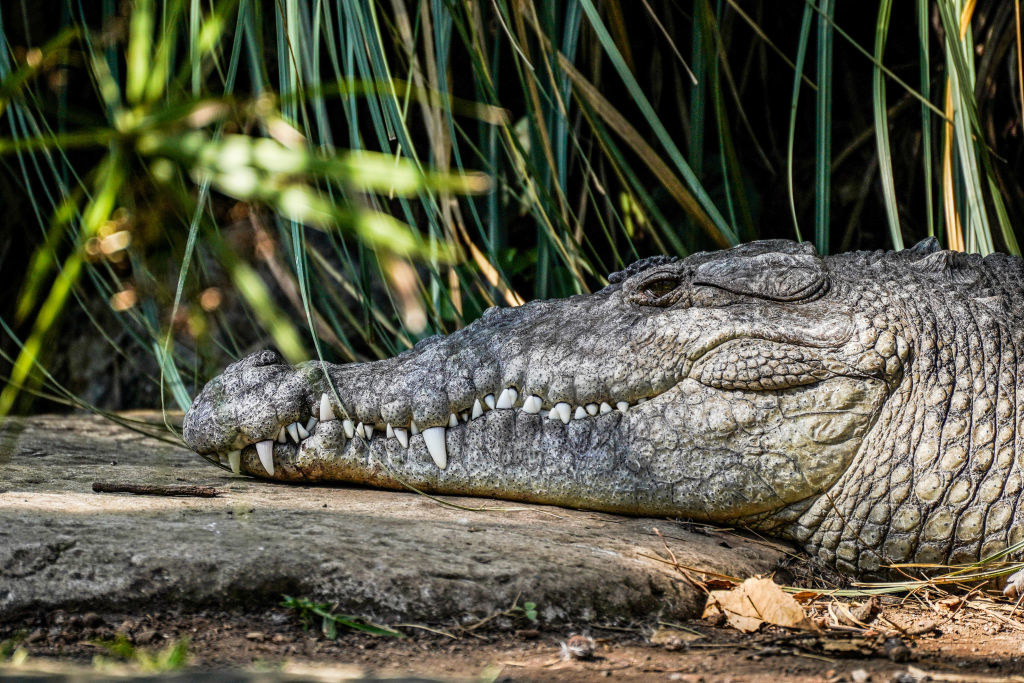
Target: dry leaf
806 596
756 602
866 611
950 603
672 638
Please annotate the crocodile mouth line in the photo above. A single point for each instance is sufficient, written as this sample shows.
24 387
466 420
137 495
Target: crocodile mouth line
294 434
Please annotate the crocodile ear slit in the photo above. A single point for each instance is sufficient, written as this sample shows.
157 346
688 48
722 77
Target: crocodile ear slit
774 275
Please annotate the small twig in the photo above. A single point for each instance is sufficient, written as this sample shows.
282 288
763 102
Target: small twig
156 490
439 631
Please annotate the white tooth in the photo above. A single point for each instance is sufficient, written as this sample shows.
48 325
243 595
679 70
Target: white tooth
605 408
464 416
235 460
641 400
579 414
265 449
506 399
402 436
364 430
434 438
622 406
553 414
563 411
303 432
282 436
453 420
389 431
489 401
531 405
310 423
413 429
326 409
591 409
350 428
293 431
478 410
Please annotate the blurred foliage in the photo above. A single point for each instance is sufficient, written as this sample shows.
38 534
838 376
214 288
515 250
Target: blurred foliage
188 181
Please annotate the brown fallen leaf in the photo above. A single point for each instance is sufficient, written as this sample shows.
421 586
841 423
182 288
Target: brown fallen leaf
950 603
755 602
673 639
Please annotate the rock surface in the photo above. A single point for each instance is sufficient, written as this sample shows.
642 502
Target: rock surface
389 556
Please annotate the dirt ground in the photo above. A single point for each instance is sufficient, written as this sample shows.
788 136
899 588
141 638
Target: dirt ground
930 636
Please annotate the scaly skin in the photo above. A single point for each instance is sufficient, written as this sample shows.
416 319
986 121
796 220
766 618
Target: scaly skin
865 405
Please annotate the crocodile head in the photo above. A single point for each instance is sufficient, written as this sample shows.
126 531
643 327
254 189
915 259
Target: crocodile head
726 386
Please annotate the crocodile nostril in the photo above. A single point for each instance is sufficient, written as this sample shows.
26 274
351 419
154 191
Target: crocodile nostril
257 360
266 357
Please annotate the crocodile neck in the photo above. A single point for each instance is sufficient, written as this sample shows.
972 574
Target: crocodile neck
935 479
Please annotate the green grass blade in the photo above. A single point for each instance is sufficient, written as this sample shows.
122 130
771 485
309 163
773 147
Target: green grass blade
139 55
798 74
923 28
109 178
823 130
724 230
882 127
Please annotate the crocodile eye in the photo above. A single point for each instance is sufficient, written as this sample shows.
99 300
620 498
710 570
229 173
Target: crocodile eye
660 287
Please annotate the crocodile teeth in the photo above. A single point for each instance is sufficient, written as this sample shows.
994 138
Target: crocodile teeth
402 436
478 410
605 408
265 449
235 460
310 423
464 416
389 431
507 399
434 438
453 420
563 411
553 413
413 429
622 406
579 414
293 431
531 405
350 428
303 432
489 401
364 430
326 409
282 436
641 400
591 409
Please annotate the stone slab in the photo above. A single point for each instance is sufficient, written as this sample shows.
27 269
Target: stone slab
394 557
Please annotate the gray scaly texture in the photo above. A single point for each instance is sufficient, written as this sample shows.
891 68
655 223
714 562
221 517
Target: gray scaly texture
865 405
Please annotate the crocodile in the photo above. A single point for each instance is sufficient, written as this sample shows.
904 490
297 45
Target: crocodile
864 405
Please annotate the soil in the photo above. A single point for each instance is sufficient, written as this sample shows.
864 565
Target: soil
937 638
